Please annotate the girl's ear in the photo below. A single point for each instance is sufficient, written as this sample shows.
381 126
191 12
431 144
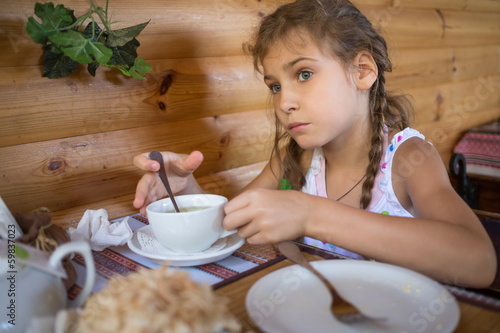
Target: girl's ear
365 71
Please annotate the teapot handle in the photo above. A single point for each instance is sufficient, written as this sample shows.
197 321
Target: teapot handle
83 248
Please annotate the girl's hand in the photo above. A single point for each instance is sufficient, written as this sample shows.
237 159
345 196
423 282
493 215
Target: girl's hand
179 168
264 216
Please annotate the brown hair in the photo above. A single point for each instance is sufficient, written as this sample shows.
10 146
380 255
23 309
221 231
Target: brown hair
339 28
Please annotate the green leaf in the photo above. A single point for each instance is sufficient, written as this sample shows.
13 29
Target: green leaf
137 71
123 36
142 66
52 19
125 55
81 49
56 64
92 68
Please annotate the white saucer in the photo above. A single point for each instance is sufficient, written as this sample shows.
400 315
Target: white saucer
293 300
233 242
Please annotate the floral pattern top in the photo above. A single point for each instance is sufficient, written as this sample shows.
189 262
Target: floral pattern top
384 200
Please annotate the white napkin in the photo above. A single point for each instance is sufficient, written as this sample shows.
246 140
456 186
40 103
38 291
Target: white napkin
95 228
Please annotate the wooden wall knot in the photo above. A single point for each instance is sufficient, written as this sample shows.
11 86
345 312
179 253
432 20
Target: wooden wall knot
55 166
224 140
167 82
454 64
439 102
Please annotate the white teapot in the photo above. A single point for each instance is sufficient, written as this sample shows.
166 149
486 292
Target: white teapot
31 286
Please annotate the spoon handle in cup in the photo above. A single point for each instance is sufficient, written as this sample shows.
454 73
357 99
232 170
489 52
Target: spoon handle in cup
155 155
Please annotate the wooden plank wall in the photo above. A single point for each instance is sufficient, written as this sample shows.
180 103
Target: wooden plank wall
69 142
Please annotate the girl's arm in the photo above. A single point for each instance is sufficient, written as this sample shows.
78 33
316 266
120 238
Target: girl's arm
445 241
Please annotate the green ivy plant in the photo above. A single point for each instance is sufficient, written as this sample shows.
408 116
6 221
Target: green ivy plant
89 39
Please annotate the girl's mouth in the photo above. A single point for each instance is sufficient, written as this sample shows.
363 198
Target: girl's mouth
296 127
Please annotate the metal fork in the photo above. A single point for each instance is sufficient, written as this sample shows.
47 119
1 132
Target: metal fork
341 309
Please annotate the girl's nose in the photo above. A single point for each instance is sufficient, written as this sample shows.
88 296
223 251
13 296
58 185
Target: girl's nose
288 103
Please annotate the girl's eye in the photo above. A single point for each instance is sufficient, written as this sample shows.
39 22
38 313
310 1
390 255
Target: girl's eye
275 88
305 75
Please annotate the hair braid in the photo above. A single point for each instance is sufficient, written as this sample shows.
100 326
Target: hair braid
378 107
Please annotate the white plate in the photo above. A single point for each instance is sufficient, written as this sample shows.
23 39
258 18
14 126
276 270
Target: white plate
233 242
293 300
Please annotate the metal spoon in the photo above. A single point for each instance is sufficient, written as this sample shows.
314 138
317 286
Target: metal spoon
340 308
155 155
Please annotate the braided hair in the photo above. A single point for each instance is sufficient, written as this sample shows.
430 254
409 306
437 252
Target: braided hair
338 27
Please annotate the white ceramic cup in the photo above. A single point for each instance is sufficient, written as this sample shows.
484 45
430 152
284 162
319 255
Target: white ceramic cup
188 231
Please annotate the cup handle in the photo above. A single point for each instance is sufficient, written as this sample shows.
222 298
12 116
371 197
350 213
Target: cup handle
226 233
82 248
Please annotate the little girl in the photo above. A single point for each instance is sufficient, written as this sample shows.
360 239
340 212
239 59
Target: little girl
363 183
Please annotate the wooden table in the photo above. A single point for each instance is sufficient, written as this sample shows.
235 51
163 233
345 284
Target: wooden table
473 318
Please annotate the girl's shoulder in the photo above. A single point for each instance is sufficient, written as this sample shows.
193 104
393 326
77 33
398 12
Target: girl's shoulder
412 152
416 166
407 144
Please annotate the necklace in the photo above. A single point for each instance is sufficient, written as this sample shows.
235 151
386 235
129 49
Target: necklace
352 188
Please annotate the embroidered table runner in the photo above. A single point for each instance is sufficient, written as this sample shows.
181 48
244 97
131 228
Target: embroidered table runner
120 260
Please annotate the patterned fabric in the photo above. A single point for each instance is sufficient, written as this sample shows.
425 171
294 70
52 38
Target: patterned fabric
384 200
481 149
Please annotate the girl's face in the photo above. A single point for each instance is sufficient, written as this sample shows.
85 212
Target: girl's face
314 97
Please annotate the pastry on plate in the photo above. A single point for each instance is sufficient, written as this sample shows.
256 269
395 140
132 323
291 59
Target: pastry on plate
154 301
